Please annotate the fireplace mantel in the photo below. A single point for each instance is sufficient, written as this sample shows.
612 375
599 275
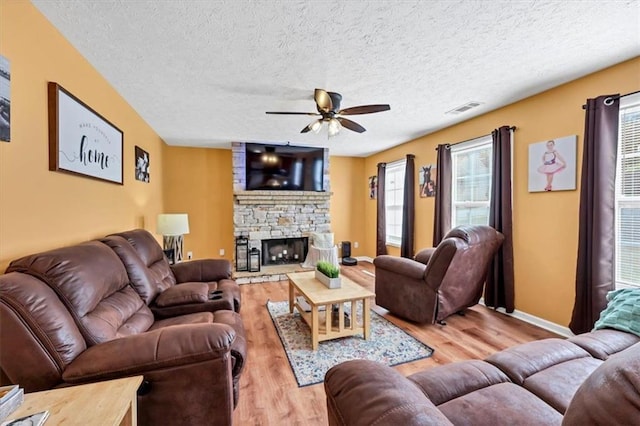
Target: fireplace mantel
280 197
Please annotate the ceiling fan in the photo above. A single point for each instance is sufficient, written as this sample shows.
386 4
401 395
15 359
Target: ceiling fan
328 105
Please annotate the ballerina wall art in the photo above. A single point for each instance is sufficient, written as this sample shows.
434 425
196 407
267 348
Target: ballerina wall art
552 165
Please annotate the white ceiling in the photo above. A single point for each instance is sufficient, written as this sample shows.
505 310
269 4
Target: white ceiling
203 73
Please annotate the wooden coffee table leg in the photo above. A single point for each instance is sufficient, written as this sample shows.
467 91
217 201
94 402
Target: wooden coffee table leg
315 323
291 294
366 317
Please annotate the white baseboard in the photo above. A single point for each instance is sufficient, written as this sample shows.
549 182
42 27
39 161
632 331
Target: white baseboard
537 321
364 259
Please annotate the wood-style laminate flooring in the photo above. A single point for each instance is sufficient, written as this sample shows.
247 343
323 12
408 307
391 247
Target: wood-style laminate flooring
269 394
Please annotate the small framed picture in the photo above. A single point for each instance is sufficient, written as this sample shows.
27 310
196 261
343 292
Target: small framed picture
142 165
552 164
373 187
427 179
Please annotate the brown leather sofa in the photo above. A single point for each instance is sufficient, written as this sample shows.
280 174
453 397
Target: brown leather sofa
439 281
590 379
72 315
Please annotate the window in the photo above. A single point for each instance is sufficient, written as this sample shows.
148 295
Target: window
394 200
471 182
628 194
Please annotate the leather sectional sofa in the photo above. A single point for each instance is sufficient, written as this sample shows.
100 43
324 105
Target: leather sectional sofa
113 308
589 379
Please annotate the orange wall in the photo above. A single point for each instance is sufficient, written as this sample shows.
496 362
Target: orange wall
545 224
199 182
350 193
40 209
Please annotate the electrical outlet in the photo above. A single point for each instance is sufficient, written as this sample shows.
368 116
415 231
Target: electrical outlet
189 255
356 244
221 252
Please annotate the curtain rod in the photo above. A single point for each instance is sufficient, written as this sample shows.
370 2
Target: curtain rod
477 137
613 98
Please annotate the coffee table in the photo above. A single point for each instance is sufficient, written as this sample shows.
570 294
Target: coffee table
317 295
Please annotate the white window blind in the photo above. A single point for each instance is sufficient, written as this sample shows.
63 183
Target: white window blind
628 194
394 201
471 187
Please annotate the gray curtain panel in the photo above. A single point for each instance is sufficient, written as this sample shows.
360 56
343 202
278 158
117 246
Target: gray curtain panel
499 290
442 214
409 208
381 221
595 273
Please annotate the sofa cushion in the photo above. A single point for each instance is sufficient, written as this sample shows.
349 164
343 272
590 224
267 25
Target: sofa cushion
603 343
182 294
611 394
143 281
451 381
622 311
92 282
557 384
501 404
522 361
152 257
38 336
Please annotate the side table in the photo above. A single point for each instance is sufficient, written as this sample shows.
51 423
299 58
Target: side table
113 402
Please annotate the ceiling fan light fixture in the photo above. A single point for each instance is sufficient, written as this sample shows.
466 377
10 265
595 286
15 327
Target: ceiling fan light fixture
334 127
315 126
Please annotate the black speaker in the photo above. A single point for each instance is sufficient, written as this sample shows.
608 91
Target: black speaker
346 249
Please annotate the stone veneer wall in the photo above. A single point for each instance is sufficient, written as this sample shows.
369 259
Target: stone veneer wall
262 215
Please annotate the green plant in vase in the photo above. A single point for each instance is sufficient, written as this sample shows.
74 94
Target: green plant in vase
328 269
328 274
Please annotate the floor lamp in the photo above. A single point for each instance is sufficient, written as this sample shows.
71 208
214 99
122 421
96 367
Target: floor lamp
172 227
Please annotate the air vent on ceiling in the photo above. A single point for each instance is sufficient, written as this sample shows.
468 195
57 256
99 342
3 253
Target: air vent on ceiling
465 107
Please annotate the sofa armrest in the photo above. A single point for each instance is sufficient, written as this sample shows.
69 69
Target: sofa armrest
362 392
165 348
401 266
204 270
424 255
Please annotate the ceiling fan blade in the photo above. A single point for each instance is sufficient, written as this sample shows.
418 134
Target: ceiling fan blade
306 129
351 125
292 113
364 109
323 100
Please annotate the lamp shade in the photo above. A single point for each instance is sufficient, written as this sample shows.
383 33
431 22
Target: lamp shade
173 224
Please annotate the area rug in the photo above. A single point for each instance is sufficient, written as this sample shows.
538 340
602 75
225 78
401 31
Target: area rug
388 344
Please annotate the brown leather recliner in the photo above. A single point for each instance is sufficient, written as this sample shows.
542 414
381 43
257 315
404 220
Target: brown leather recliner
70 316
203 285
440 281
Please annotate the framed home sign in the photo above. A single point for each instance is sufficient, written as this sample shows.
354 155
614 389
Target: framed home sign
81 141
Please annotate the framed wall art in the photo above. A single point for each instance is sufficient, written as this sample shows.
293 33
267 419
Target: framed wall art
552 165
427 179
142 164
81 141
5 100
373 187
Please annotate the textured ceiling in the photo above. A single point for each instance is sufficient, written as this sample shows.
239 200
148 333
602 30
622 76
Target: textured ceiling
203 73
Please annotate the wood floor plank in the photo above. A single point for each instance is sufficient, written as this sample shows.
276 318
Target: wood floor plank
269 394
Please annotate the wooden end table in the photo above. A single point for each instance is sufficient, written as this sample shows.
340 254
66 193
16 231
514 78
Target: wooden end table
113 402
317 295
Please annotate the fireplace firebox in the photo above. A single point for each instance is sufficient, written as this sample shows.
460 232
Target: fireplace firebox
280 251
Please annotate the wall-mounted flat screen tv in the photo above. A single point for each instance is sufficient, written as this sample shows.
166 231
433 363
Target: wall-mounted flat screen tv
284 167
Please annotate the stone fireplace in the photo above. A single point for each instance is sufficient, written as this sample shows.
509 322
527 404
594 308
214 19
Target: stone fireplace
277 215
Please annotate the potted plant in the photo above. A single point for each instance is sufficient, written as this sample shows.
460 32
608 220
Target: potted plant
328 274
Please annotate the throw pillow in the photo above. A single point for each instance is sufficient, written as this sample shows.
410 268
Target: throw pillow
622 311
323 240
